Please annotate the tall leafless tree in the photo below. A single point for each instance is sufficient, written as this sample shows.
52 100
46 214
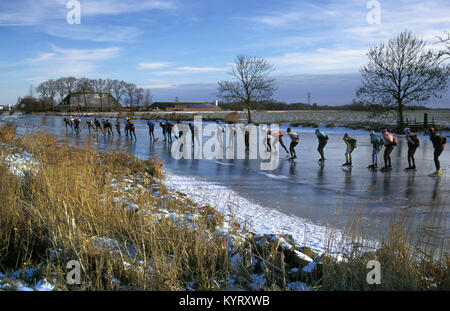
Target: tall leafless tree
252 82
402 73
84 87
445 53
148 99
99 86
117 87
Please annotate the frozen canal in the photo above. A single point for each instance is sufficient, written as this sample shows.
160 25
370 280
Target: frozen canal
303 188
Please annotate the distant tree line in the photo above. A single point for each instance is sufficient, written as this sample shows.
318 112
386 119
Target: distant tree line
52 92
281 106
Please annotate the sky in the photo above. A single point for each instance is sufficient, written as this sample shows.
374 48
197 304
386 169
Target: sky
182 48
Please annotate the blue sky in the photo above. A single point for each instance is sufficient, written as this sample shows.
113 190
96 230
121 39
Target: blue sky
183 48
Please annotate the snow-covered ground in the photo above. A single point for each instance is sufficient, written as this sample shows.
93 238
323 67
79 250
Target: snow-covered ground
252 216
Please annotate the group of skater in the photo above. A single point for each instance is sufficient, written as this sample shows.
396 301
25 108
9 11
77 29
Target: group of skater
378 140
105 126
389 142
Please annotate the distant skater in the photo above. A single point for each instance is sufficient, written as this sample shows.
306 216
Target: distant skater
231 133
194 133
267 141
164 130
169 127
439 142
90 125
151 128
323 140
131 129
180 130
107 128
97 125
76 125
377 144
351 145
118 126
219 133
295 139
68 122
413 144
390 141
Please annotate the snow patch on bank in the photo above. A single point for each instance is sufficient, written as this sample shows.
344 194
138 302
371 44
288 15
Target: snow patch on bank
252 216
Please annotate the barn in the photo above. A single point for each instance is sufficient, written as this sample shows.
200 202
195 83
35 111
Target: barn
89 102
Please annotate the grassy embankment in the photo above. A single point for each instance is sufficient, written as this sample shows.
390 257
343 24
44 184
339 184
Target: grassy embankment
72 205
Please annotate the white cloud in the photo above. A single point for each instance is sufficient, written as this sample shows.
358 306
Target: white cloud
151 66
320 61
93 33
31 12
67 62
189 70
201 69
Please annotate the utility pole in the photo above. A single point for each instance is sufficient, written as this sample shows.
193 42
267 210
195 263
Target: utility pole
309 98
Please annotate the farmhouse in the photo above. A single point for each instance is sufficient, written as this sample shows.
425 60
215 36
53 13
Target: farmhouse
89 101
186 106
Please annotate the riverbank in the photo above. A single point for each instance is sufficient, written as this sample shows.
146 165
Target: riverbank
305 118
122 222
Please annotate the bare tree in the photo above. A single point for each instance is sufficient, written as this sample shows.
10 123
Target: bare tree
70 84
117 88
99 86
60 88
138 96
130 89
52 90
252 82
43 90
148 99
445 53
84 86
402 73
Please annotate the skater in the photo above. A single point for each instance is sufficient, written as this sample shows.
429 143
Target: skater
130 128
97 125
351 145
151 128
180 129
76 125
280 139
90 125
323 139
232 132
267 141
377 143
413 144
439 142
107 127
194 133
164 130
295 139
68 122
390 141
169 127
220 131
118 125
